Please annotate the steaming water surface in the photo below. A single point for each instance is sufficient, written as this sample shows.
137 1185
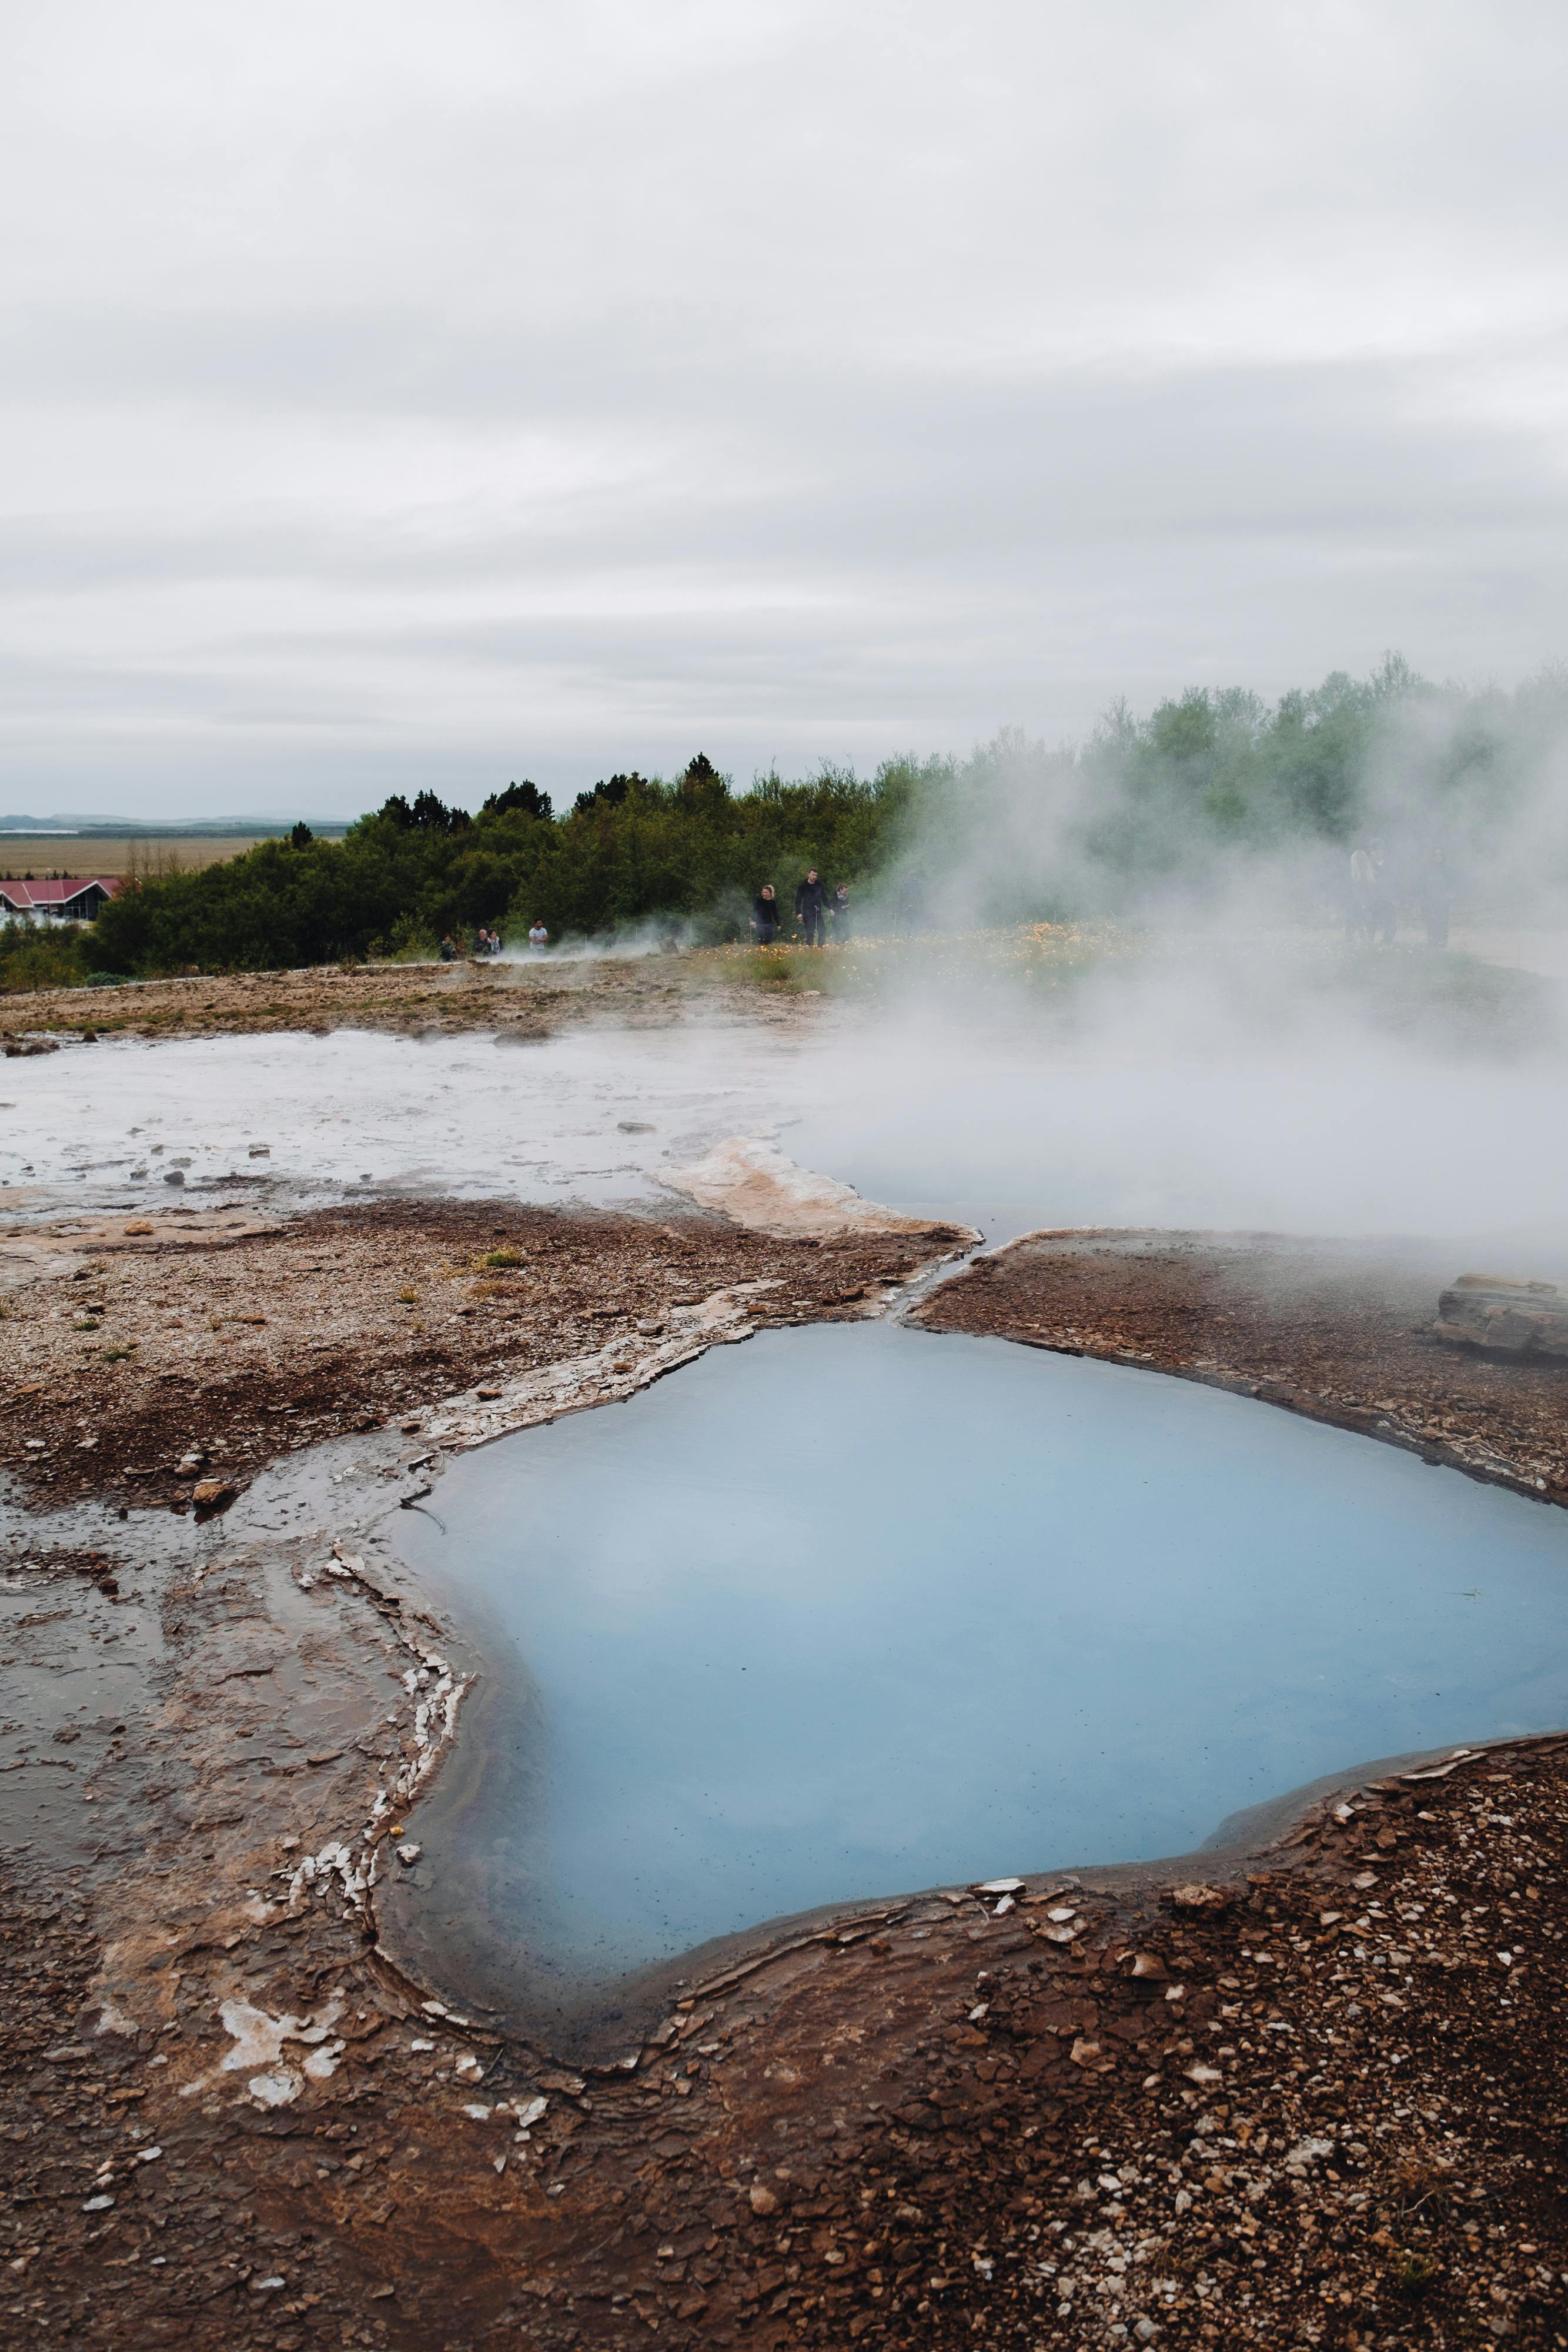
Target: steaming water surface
856 1610
1016 1129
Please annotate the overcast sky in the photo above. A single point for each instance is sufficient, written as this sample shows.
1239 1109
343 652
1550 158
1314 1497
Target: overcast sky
404 394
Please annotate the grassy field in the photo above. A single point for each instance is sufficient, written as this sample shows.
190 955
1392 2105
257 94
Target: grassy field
1034 955
1450 998
42 853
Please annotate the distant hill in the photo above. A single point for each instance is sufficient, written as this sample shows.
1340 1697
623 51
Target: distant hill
65 827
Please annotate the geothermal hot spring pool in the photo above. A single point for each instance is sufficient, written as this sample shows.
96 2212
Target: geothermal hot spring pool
852 1610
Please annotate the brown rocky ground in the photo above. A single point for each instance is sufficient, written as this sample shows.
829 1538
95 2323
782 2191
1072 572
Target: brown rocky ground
527 1000
129 1345
1315 2094
1319 2100
1340 1331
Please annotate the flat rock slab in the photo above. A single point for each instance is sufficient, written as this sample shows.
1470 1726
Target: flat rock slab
1508 1318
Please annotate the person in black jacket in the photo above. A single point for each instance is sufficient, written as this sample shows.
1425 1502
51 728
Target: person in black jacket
810 907
765 916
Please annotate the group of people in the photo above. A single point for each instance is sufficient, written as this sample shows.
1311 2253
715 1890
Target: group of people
1372 914
816 906
822 912
486 943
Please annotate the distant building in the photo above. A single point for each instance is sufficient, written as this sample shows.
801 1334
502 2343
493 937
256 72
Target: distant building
68 898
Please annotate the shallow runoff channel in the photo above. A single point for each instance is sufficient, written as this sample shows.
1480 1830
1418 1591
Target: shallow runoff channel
856 1610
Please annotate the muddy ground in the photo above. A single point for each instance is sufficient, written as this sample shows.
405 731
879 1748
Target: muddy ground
519 999
140 1356
1339 1330
1311 2094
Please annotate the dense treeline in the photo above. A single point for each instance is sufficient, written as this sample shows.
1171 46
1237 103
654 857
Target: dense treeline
630 848
1209 780
32 957
1217 791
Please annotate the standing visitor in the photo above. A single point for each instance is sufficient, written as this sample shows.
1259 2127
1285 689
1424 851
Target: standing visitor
913 909
839 910
1436 895
538 938
810 907
765 916
1384 906
1358 918
446 952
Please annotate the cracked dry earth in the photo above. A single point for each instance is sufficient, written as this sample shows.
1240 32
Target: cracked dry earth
1340 1331
1312 2096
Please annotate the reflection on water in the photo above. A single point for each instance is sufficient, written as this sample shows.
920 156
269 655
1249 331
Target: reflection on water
852 1610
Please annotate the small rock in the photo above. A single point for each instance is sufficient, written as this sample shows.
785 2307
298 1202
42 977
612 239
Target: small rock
213 1494
1148 1964
761 2198
173 1176
408 1854
1202 1898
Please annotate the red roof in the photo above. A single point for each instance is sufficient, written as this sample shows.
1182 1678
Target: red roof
50 897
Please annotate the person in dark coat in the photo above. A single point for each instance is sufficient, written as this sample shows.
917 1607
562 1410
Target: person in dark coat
810 907
1437 891
838 908
765 916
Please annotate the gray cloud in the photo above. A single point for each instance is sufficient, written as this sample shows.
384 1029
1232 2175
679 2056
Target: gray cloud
388 401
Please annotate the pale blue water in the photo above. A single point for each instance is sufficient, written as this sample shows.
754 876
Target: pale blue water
852 1610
